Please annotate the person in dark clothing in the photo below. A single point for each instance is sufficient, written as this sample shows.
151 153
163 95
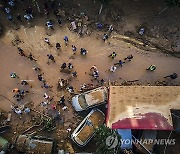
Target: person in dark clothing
36 68
74 49
57 14
172 76
46 9
23 92
63 66
102 82
45 85
10 18
70 89
58 46
49 24
59 22
31 57
40 77
51 57
21 52
105 37
47 41
6 10
95 74
18 97
19 18
29 10
110 29
99 25
113 55
129 57
66 40
83 51
74 74
70 66
62 101
25 83
119 63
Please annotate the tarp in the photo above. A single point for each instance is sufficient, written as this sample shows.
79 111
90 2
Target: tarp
126 138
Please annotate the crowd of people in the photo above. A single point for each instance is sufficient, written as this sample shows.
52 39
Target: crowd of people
28 15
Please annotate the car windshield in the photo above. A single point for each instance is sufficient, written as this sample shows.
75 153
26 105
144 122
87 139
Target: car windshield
82 101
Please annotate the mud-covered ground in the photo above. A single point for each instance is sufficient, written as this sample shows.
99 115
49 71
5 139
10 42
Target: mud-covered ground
161 34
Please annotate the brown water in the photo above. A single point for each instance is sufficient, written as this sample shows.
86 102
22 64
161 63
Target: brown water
98 52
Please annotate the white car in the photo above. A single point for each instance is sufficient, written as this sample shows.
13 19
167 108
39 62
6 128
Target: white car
90 99
87 128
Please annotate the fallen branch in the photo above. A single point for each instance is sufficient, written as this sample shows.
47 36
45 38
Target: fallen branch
100 10
163 10
32 127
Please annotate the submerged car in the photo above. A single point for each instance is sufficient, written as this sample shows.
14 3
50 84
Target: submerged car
35 144
90 99
87 128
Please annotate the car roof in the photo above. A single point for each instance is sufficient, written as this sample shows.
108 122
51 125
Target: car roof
95 96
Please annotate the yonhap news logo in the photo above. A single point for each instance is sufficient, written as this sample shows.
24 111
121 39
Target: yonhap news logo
113 141
150 141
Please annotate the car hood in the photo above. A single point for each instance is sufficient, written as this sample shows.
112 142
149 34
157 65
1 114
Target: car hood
75 104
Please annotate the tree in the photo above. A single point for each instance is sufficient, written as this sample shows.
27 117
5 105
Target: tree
172 3
107 140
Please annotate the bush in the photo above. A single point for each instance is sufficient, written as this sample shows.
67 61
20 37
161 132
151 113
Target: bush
102 133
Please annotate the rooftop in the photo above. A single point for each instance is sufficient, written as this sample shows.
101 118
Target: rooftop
142 107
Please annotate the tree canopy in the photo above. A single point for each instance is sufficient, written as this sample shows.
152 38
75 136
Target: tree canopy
107 140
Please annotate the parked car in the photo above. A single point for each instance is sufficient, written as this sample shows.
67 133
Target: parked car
90 99
86 129
35 144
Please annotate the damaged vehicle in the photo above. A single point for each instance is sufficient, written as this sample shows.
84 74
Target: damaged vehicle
35 144
87 128
4 144
90 99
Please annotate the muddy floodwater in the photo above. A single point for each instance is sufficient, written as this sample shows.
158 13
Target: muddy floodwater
98 51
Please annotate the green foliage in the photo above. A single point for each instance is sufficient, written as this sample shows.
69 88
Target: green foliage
49 124
172 3
101 135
